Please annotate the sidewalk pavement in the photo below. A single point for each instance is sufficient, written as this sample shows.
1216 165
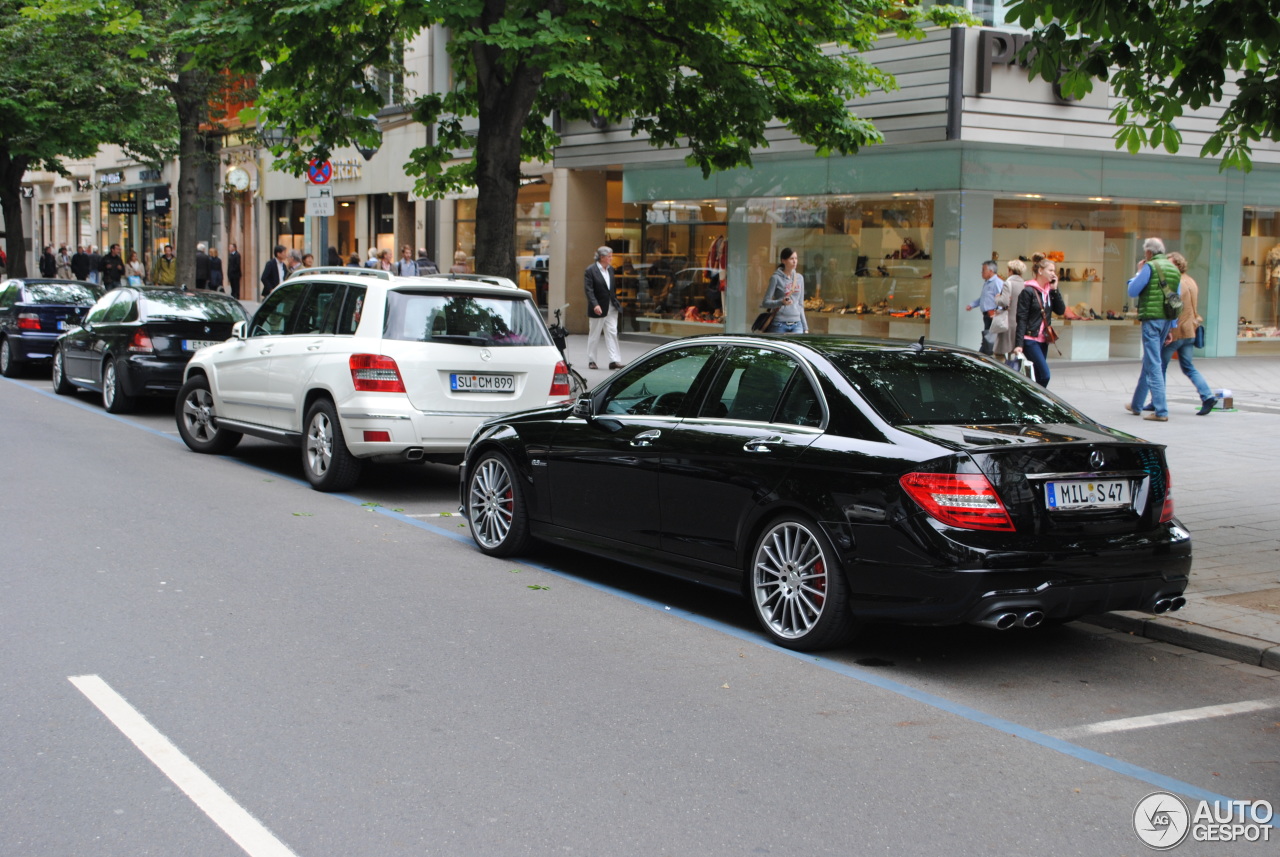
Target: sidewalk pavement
1226 481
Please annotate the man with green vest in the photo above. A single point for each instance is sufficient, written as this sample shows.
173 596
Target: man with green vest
1148 286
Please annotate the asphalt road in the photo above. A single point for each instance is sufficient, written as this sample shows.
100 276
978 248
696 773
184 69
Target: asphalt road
351 677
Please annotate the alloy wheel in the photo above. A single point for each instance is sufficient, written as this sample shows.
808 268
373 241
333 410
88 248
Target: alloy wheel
789 580
320 444
491 502
198 415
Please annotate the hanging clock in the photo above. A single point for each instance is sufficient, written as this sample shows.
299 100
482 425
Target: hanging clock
237 179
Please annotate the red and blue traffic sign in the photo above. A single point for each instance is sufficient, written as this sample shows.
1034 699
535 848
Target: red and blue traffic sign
319 172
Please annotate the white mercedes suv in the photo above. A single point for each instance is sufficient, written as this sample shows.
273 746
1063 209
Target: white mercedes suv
351 364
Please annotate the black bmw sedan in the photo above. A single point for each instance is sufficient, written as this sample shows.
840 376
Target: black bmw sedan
136 341
33 313
834 482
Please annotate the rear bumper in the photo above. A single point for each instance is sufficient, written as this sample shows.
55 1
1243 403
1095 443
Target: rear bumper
33 345
147 375
433 434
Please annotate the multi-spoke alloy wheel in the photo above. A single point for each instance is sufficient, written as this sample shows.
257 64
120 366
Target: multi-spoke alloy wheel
495 506
328 464
797 591
114 398
198 419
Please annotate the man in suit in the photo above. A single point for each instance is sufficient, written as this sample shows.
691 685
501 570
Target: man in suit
603 309
233 271
274 272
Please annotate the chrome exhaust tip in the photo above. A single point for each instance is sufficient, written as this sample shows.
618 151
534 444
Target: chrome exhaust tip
1177 603
999 621
1161 606
414 454
1031 619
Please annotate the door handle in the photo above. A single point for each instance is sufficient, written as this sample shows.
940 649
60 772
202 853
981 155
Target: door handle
762 444
266 350
646 438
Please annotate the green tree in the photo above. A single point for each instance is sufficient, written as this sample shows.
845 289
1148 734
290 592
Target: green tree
67 86
1163 58
711 75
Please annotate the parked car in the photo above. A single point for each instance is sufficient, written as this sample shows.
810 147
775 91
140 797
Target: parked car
355 364
135 341
33 313
834 482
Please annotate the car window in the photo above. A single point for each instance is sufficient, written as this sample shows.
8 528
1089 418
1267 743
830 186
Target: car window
467 319
801 405
9 295
274 314
189 306
58 293
749 385
316 305
348 316
932 387
658 385
122 309
99 311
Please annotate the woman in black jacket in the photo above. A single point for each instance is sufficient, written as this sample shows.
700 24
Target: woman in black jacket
1039 300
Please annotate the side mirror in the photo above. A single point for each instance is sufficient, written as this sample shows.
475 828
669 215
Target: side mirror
582 407
240 331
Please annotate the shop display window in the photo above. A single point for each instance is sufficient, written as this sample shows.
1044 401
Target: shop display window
672 280
1260 276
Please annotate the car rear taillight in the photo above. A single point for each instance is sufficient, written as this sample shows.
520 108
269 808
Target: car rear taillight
560 381
141 342
965 500
1166 511
375 373
28 321
377 437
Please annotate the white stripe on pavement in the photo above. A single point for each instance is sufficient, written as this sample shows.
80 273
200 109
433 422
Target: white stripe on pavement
243 828
1166 718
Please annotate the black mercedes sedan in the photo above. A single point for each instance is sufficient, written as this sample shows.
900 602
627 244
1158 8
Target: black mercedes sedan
834 482
33 314
136 341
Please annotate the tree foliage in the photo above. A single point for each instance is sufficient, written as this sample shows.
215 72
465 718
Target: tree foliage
1163 58
710 75
68 85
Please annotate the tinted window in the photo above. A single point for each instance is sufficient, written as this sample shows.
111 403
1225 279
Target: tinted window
658 385
186 306
99 311
122 309
749 385
922 388
273 315
352 309
56 293
467 319
316 307
8 295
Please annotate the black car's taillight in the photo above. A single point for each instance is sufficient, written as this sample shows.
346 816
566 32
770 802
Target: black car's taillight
1166 511
964 500
141 342
28 321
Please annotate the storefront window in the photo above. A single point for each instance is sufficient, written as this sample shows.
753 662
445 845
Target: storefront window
290 223
1260 278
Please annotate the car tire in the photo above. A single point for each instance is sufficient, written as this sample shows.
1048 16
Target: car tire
326 461
496 508
198 419
9 365
61 385
114 398
796 587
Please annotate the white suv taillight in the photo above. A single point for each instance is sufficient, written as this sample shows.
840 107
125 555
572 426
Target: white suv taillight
560 381
375 373
965 500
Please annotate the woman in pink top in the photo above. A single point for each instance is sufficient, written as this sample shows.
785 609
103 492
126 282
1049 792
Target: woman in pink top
1036 305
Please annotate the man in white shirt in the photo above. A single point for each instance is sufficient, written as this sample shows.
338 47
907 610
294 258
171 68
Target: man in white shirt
603 309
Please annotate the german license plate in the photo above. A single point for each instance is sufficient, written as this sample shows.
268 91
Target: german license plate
469 383
1088 494
62 325
197 344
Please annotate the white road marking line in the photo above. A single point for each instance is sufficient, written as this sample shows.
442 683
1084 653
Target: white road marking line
1166 718
243 828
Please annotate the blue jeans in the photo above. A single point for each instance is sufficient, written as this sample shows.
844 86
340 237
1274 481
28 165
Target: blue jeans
1184 348
786 327
1037 353
1152 377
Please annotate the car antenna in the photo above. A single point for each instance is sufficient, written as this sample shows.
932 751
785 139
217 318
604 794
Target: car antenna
919 346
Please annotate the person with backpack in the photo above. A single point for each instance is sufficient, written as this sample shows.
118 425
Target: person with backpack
1156 286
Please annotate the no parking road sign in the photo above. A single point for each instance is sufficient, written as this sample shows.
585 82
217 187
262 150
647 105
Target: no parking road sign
319 172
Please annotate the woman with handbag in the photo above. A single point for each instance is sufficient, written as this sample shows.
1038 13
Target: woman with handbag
785 297
1036 305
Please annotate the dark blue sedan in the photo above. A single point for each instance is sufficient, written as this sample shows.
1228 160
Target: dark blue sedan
33 312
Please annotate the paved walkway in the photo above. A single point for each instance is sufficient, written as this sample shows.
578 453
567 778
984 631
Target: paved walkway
1226 478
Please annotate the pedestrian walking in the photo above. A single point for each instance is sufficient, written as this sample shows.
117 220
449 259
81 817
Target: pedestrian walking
80 264
48 263
1039 300
202 265
134 270
1155 276
335 258
353 261
425 265
1181 341
64 264
786 294
234 270
603 308
407 266
372 261
384 260
460 263
992 285
165 270
215 270
1003 321
95 265
113 268
275 271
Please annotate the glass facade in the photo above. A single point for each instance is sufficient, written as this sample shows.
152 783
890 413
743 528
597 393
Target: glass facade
1258 328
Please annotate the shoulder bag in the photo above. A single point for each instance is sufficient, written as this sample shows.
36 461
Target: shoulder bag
1172 300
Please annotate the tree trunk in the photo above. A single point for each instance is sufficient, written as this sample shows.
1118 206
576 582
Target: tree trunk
191 97
11 173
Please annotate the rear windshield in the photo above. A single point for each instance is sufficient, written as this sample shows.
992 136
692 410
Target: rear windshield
930 387
179 306
463 319
60 293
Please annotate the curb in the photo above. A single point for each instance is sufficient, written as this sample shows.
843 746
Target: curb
1201 638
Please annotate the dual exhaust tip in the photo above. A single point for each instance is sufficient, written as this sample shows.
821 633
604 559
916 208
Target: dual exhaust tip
1168 605
1003 621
